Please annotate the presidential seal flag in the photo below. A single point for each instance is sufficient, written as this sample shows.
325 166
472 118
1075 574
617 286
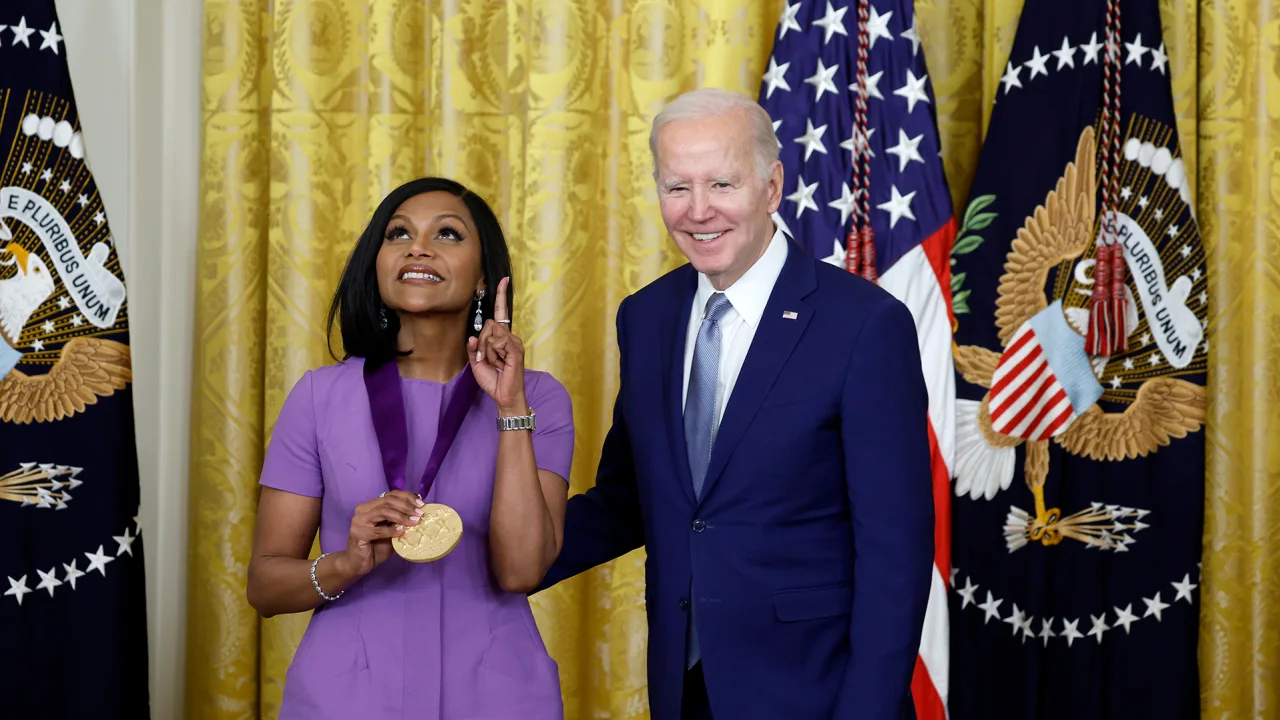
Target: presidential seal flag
848 90
1081 304
72 606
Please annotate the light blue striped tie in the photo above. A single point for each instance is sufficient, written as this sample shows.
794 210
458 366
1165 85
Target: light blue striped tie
700 421
702 401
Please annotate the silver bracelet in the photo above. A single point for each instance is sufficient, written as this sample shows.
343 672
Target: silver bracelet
519 422
316 584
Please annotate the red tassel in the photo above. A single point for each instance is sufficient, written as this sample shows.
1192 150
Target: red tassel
869 253
1107 304
1099 303
1119 303
851 252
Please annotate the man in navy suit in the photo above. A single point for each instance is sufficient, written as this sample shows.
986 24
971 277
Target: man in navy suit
769 450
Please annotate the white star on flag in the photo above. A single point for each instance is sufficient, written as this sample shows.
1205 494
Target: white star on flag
125 543
858 144
1066 55
832 23
51 38
1184 589
913 90
48 580
98 561
72 573
1154 607
913 35
775 76
803 196
907 149
1037 64
788 20
991 607
821 79
18 588
1046 631
1099 626
898 205
1159 60
22 33
1010 78
812 139
1091 49
1070 631
1125 618
872 88
844 204
1015 620
878 27
1136 51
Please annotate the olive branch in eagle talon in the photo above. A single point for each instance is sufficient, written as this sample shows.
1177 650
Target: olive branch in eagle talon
1165 408
965 243
41 485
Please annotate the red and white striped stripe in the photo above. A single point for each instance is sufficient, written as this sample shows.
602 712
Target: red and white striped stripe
1027 401
921 279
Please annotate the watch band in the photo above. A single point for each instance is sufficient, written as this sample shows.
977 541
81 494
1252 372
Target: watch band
519 422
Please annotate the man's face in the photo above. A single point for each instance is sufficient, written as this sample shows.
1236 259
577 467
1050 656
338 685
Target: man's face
714 202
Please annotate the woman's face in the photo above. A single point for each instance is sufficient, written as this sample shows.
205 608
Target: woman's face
430 256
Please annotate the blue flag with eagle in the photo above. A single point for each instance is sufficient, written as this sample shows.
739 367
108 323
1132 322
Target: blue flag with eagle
1080 364
72 605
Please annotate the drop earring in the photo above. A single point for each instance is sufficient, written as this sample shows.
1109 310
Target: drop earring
479 323
382 317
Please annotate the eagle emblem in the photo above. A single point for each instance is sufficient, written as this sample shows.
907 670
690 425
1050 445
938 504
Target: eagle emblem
1042 387
63 325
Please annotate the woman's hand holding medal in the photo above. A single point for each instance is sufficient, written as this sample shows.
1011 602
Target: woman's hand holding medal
497 359
373 526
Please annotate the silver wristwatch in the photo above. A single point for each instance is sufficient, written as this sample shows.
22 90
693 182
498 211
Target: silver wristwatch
519 422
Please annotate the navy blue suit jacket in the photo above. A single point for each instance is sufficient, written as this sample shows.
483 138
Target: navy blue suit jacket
811 548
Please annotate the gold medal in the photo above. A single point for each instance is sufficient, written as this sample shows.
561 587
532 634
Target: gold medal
435 536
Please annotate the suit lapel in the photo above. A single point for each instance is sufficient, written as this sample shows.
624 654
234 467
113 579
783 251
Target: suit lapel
774 341
673 380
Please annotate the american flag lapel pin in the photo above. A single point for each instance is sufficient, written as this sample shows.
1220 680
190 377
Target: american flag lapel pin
789 315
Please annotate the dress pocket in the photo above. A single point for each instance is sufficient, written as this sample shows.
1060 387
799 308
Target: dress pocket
515 652
331 647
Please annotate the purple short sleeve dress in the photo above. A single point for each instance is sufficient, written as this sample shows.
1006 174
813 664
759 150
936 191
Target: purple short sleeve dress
428 641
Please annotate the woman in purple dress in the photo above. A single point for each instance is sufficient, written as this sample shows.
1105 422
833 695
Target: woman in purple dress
429 423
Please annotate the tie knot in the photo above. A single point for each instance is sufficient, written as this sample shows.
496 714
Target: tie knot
717 305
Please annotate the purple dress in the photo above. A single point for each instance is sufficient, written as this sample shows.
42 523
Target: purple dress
429 641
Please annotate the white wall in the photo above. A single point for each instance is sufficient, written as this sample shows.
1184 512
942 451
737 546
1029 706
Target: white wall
135 65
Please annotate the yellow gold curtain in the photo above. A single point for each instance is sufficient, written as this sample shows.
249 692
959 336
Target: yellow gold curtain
313 109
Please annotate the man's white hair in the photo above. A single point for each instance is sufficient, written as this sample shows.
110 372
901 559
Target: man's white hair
708 102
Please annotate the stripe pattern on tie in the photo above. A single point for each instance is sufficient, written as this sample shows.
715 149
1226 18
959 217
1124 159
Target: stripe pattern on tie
702 402
701 421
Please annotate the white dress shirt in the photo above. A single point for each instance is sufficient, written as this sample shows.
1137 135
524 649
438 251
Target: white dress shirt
748 296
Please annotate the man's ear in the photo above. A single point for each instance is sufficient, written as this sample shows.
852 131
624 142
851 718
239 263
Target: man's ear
775 186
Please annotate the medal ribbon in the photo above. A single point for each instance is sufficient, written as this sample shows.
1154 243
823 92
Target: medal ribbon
383 386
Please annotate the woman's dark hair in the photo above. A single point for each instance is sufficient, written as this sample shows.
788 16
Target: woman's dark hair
357 302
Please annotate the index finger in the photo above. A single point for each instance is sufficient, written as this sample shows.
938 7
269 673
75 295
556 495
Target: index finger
411 497
500 301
